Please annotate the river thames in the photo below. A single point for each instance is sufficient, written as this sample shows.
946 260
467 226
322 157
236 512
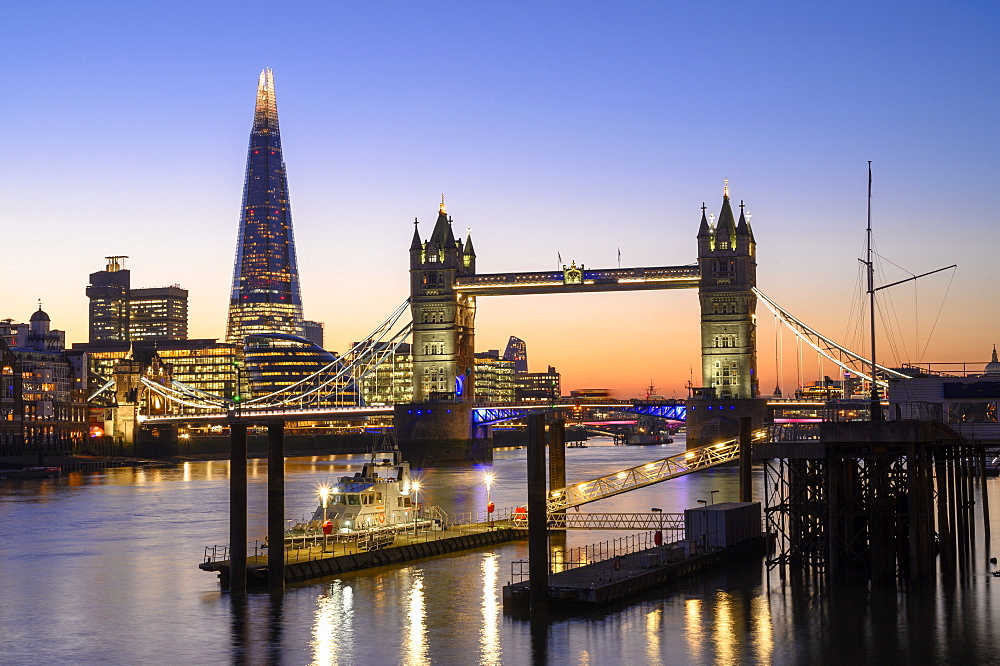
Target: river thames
102 567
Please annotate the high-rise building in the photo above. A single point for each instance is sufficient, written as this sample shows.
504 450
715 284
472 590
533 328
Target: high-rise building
386 378
265 297
108 294
158 313
494 377
517 351
120 314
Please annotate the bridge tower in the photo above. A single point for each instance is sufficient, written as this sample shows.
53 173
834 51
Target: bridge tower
443 318
727 259
437 426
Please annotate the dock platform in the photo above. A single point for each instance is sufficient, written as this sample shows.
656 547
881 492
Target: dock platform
311 563
621 577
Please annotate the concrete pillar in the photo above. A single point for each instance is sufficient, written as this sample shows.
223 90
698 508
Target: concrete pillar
538 546
276 506
237 508
746 489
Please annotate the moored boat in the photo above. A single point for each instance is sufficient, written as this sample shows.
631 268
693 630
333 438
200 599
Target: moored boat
381 495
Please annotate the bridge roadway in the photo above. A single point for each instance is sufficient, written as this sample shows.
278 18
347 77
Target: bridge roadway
485 414
482 415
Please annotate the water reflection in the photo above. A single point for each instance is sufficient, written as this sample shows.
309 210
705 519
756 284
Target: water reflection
333 628
128 561
654 629
760 630
415 651
694 633
489 636
722 634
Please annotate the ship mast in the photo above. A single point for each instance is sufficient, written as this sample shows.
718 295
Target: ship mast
875 409
876 402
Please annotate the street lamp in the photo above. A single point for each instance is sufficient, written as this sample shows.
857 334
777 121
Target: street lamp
712 494
488 479
324 498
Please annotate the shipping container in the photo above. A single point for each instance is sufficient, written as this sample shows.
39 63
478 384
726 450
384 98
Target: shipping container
723 525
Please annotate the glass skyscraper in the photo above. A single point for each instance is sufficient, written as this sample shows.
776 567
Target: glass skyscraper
265 296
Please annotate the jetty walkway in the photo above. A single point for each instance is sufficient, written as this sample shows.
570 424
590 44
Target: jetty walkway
306 557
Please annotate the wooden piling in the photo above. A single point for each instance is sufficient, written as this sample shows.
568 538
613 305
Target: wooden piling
985 496
237 508
276 506
945 538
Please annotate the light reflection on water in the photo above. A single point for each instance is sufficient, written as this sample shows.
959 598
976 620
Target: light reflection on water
106 562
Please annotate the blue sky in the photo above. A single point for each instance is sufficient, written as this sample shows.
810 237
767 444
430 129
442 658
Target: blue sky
561 127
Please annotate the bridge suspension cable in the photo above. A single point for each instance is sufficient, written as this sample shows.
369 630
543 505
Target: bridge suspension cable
842 356
108 384
362 359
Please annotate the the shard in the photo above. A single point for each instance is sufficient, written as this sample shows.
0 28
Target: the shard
265 296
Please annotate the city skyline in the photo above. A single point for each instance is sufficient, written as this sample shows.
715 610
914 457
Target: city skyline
562 135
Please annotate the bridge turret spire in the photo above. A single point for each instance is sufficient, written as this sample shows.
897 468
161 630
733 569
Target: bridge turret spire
415 244
442 229
725 229
743 228
468 252
704 231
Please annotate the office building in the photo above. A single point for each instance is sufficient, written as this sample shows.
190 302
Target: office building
265 296
278 360
118 313
537 386
313 332
494 377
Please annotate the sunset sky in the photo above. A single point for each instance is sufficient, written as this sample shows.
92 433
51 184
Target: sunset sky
573 128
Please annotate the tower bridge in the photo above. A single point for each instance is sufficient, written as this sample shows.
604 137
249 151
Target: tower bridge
444 288
445 420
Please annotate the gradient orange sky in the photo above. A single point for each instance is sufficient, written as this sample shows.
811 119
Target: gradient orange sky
571 128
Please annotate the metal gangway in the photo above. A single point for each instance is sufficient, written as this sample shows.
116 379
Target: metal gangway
616 521
641 476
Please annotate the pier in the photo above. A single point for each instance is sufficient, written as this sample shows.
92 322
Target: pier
311 557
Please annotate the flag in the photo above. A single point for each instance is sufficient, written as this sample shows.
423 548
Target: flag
619 257
559 254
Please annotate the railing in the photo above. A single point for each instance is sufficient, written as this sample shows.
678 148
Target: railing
611 560
790 432
664 522
640 476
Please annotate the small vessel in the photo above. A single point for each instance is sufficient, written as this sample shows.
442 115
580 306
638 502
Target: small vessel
381 495
647 431
31 473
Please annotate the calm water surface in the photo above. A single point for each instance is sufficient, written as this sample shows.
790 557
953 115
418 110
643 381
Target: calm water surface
103 568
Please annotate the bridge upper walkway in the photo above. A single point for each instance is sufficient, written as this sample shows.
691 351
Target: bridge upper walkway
605 279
